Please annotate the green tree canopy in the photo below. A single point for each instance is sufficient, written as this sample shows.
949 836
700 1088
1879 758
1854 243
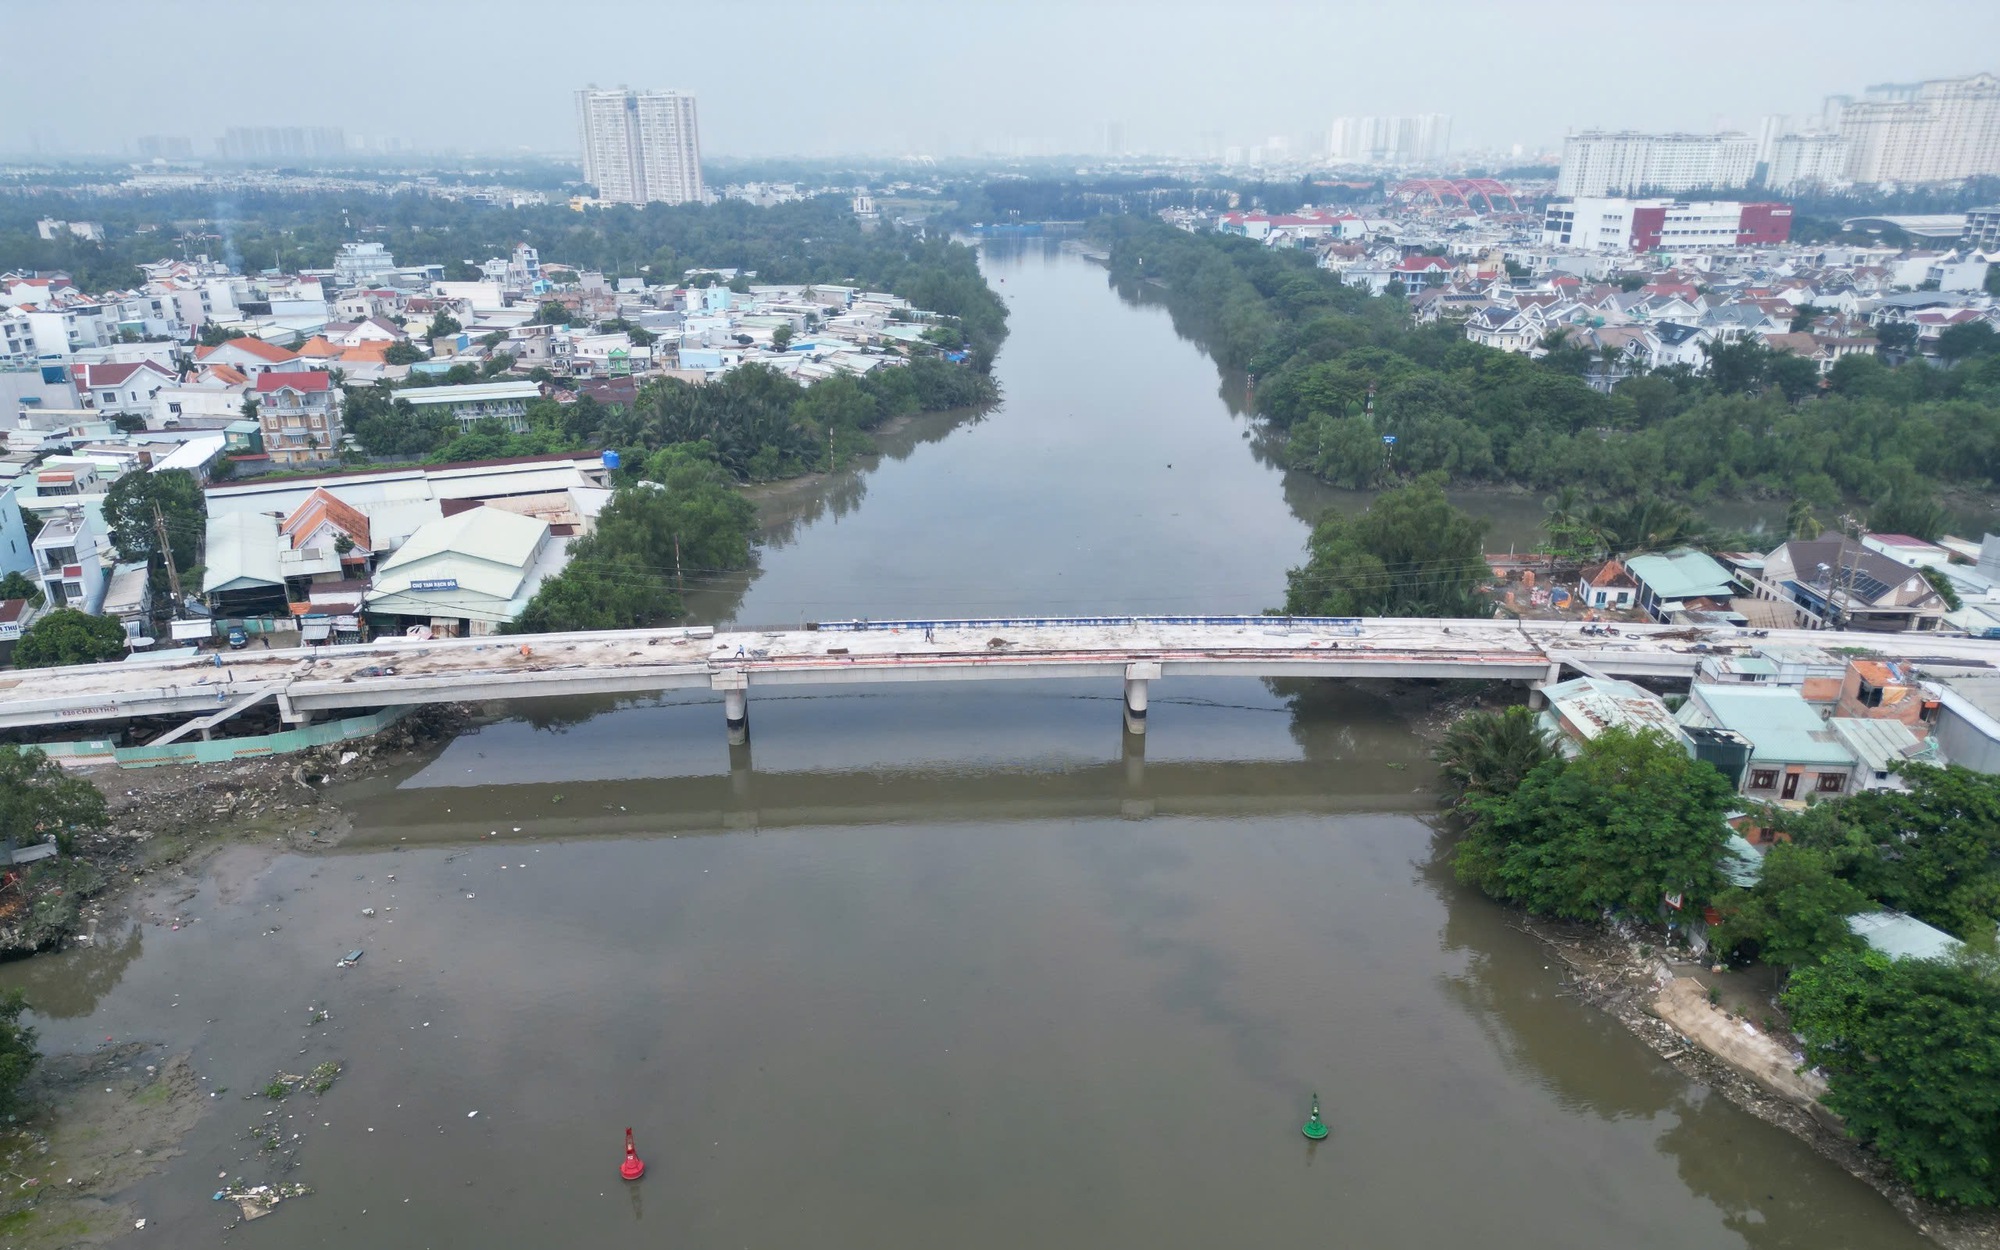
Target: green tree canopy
691 523
20 586
443 325
1911 1049
1796 913
1410 554
1932 850
67 636
128 511
1627 822
38 798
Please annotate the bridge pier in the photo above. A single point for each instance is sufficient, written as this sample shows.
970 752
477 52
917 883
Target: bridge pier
1536 699
735 687
1137 675
740 770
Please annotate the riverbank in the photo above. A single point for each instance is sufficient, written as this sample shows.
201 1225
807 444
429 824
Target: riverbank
1633 982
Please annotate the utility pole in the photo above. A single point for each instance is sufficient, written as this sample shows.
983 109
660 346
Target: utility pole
679 588
167 552
1847 520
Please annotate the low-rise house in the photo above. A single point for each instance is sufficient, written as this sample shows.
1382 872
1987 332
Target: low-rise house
1793 755
1670 582
250 356
17 554
244 576
1879 748
15 616
300 416
1504 328
1607 587
465 575
122 390
1583 707
334 532
128 597
1833 583
506 402
69 561
1967 723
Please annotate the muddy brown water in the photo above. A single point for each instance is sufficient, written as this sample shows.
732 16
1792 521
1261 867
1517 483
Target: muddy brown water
952 964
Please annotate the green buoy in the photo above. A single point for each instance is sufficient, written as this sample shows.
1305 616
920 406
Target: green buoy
1315 1128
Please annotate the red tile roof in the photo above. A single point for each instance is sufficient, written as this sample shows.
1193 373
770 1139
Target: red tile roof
254 347
308 381
321 506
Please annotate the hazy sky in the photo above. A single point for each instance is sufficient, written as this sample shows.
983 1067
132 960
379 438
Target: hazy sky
777 78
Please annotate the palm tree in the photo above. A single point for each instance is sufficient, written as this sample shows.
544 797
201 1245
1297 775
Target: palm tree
1563 521
1489 753
1800 523
1646 524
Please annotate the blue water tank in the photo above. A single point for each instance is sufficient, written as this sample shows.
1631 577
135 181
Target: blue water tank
611 460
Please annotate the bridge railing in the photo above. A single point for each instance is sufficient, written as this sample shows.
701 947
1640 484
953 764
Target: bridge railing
1315 624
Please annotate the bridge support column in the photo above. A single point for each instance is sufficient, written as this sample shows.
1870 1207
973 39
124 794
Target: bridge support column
739 769
735 688
1137 675
1536 699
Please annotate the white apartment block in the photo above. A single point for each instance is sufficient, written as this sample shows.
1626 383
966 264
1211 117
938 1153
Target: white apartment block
640 147
1598 162
1931 132
1806 160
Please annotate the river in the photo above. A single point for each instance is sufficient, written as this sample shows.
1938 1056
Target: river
960 965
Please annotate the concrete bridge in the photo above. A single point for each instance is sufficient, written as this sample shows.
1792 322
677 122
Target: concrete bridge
1137 651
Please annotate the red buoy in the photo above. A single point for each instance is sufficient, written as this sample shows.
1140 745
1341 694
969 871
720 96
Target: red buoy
634 1167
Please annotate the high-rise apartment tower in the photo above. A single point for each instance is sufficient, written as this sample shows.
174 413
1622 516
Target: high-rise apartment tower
640 147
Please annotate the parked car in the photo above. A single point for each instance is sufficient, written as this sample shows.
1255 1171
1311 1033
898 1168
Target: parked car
239 637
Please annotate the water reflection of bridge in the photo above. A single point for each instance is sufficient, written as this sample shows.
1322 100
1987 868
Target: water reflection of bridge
743 798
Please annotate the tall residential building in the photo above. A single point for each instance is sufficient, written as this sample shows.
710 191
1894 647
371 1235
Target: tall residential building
278 143
1924 132
1806 160
1417 137
640 147
1598 162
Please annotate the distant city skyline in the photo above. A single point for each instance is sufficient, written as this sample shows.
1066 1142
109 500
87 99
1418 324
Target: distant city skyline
1169 79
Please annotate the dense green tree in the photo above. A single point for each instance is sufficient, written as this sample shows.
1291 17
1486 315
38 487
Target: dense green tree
600 591
67 636
1911 1049
781 338
128 512
1757 425
38 798
443 325
1796 913
552 313
1488 754
1971 338
1410 554
1932 850
403 353
654 535
20 586
1629 821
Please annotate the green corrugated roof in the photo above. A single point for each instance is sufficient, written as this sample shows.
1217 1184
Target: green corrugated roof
1682 574
1902 937
1782 727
